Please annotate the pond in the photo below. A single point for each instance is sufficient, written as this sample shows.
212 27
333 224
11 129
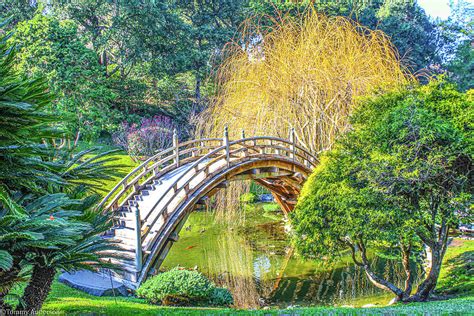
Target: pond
253 257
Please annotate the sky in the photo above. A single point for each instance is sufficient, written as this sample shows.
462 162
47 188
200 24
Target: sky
436 8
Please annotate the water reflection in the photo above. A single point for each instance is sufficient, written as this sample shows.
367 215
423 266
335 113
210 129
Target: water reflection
258 266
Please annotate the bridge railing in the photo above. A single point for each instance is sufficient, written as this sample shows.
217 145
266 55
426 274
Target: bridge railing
181 153
161 162
242 147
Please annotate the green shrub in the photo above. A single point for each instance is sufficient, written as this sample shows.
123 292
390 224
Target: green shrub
248 198
183 287
180 285
221 297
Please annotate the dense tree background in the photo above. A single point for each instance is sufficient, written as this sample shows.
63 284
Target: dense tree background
110 61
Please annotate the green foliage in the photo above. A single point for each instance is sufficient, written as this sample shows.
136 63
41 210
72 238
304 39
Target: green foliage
221 297
23 126
6 260
16 11
271 207
55 51
176 282
462 66
411 31
401 174
180 285
457 36
47 213
248 198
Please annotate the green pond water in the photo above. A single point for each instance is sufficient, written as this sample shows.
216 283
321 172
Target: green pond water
251 255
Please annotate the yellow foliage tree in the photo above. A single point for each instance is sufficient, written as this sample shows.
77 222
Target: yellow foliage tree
305 72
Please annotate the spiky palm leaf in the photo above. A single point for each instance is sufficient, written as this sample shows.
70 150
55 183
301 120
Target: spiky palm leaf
86 167
23 126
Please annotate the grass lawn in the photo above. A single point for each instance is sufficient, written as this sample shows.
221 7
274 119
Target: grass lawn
456 278
66 301
123 162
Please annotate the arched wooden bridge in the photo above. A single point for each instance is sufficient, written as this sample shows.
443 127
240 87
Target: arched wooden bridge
151 204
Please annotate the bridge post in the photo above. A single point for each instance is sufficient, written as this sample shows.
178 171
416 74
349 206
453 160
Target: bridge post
225 142
138 245
244 152
176 147
292 141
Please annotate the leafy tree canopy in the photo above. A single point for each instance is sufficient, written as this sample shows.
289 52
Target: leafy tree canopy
53 49
400 179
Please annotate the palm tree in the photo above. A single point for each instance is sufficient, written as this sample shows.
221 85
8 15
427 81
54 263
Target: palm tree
79 227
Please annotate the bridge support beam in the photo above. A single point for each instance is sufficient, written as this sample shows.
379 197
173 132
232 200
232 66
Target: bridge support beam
225 142
176 147
284 206
138 246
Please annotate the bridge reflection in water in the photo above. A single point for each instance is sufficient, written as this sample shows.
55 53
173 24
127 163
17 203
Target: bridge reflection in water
151 204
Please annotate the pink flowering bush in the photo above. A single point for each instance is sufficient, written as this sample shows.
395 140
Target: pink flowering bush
144 139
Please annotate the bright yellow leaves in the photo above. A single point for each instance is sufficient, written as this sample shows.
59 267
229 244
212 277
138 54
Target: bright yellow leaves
305 72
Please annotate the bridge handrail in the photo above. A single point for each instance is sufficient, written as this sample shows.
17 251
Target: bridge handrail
207 156
116 196
283 140
143 166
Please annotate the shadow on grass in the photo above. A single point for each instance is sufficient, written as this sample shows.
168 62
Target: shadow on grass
459 277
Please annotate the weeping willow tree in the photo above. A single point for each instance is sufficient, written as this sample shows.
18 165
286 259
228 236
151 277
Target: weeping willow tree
305 72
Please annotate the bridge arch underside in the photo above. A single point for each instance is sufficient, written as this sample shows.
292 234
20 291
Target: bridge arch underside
283 177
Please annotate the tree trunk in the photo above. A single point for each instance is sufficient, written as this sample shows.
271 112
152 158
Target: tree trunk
435 259
374 278
384 284
406 266
38 289
425 289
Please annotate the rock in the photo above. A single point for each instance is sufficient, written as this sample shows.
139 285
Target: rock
265 198
369 305
97 284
